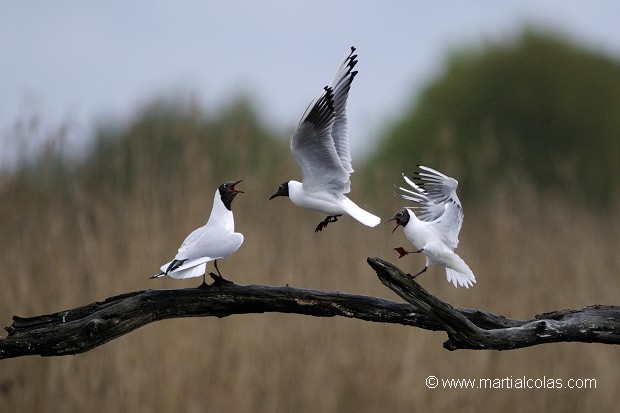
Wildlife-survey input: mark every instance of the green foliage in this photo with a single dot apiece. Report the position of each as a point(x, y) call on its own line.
point(537, 108)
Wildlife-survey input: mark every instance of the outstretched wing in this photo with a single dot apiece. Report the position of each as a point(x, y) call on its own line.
point(438, 203)
point(341, 84)
point(313, 147)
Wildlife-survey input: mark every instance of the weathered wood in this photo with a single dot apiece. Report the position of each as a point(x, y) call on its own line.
point(83, 328)
point(594, 324)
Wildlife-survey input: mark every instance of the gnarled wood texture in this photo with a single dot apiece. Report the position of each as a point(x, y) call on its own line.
point(84, 328)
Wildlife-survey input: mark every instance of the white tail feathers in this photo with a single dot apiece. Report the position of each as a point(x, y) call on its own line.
point(193, 268)
point(465, 278)
point(196, 271)
point(359, 214)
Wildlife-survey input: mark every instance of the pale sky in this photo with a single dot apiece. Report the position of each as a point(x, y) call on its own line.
point(72, 62)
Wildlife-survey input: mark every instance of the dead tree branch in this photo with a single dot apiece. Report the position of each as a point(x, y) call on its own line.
point(593, 324)
point(83, 328)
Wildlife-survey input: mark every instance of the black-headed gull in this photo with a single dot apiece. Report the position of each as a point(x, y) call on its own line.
point(320, 146)
point(435, 231)
point(217, 239)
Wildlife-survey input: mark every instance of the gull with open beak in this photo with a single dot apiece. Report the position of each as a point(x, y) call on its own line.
point(215, 240)
point(320, 146)
point(435, 231)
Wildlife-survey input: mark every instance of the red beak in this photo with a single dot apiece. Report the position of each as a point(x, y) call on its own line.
point(232, 187)
point(397, 223)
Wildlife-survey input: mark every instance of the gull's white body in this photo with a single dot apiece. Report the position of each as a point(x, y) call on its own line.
point(330, 202)
point(436, 231)
point(320, 146)
point(215, 240)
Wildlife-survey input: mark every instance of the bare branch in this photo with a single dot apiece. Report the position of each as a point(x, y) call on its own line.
point(594, 324)
point(83, 328)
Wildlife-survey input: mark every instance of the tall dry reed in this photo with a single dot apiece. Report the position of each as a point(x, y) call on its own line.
point(76, 236)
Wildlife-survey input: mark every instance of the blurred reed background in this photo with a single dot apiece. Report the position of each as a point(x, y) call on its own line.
point(72, 234)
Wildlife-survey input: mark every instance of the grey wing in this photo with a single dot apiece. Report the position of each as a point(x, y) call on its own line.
point(341, 83)
point(448, 225)
point(213, 243)
point(313, 148)
point(438, 203)
point(191, 239)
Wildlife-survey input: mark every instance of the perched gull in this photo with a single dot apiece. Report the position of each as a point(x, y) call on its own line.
point(216, 240)
point(435, 232)
point(320, 146)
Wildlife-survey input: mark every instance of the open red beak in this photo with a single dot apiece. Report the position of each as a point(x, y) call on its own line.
point(232, 187)
point(397, 223)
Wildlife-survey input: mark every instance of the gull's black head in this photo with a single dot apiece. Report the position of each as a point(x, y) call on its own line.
point(401, 218)
point(228, 192)
point(282, 191)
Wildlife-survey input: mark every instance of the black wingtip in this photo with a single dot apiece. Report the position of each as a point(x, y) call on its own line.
point(352, 58)
point(323, 108)
point(329, 94)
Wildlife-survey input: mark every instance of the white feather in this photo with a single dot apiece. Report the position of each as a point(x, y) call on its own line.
point(320, 147)
point(435, 230)
point(215, 240)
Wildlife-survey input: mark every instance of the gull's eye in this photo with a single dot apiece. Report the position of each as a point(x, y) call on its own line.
point(226, 185)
